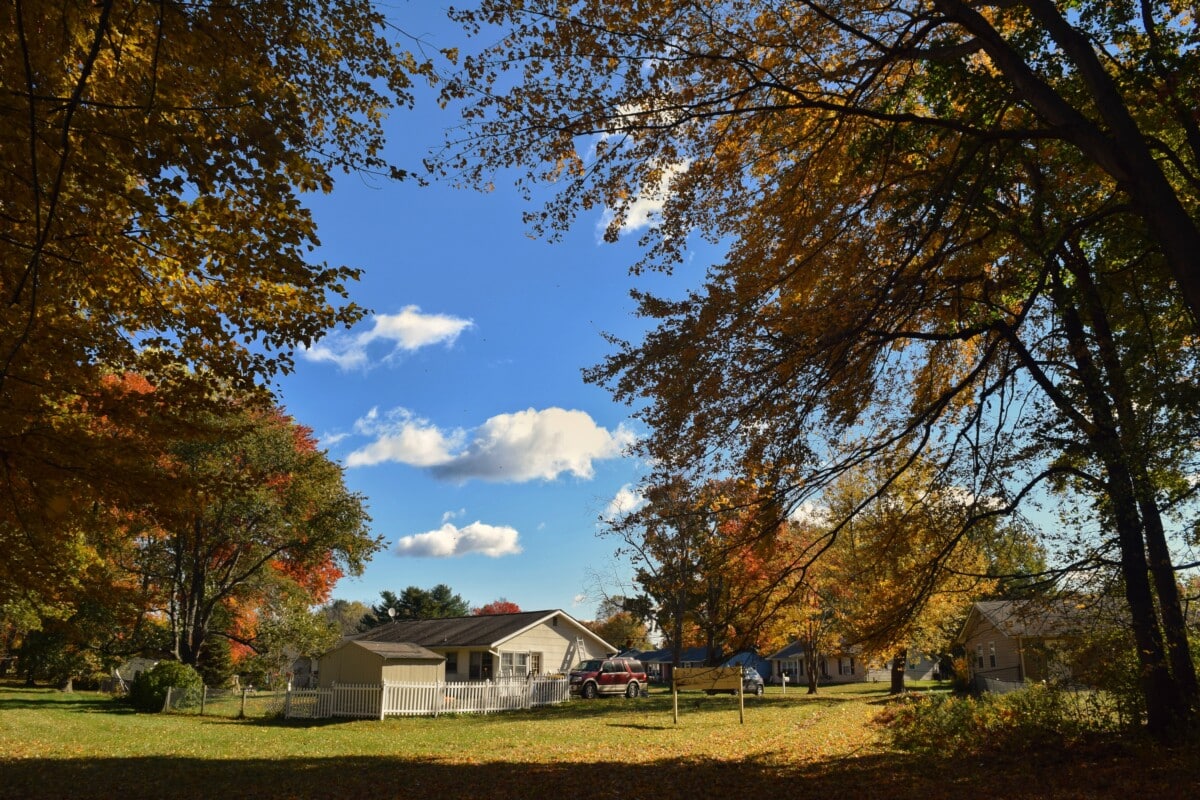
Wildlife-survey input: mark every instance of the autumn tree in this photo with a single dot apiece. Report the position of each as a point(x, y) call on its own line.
point(901, 587)
point(807, 611)
point(951, 232)
point(621, 629)
point(344, 614)
point(501, 606)
point(155, 156)
point(259, 514)
point(698, 553)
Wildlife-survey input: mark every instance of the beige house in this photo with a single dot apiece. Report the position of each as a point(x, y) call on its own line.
point(1016, 641)
point(489, 646)
point(355, 661)
point(839, 667)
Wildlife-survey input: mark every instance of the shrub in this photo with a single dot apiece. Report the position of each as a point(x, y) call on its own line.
point(1030, 719)
point(149, 689)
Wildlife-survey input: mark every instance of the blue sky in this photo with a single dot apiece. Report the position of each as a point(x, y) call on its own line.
point(458, 406)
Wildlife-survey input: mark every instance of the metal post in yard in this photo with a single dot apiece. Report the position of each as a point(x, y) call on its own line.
point(742, 695)
point(242, 712)
point(203, 697)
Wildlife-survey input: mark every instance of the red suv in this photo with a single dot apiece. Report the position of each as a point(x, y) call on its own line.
point(596, 676)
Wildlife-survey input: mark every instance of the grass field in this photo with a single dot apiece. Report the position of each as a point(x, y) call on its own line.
point(83, 745)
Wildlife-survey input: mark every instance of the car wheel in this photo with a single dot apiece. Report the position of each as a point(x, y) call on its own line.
point(588, 691)
point(632, 690)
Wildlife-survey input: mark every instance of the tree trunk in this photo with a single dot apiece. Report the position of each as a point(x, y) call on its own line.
point(810, 667)
point(1166, 714)
point(899, 665)
point(1170, 605)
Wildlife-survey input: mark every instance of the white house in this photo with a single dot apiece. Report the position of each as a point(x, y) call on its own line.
point(492, 646)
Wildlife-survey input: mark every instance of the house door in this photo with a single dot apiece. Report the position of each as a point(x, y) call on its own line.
point(481, 666)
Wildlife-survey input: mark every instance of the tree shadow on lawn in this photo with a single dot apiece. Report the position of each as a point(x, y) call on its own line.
point(84, 702)
point(1108, 771)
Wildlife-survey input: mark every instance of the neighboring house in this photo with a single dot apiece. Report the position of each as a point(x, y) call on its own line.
point(494, 645)
point(838, 667)
point(1017, 641)
point(123, 676)
point(659, 662)
point(358, 661)
point(920, 667)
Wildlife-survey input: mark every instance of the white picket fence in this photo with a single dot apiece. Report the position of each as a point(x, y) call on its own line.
point(376, 701)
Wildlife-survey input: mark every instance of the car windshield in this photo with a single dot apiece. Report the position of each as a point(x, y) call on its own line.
point(589, 666)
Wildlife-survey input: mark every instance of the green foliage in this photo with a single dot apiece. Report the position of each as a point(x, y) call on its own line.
point(416, 603)
point(1024, 721)
point(149, 689)
point(216, 662)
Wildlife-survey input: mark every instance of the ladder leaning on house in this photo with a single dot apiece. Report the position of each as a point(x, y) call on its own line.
point(573, 655)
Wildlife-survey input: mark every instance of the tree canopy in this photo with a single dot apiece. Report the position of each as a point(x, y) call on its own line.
point(258, 530)
point(500, 606)
point(415, 603)
point(954, 234)
point(154, 159)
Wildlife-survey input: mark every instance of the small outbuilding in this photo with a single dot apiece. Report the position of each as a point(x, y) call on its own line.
point(358, 661)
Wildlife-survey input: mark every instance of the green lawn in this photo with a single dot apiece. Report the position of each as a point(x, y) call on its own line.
point(85, 746)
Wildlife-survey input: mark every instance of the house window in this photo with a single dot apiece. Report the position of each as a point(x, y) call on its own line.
point(992, 654)
point(845, 666)
point(452, 662)
point(979, 655)
point(514, 665)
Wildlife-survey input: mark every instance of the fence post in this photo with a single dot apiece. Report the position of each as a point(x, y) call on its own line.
point(242, 712)
point(203, 697)
point(382, 697)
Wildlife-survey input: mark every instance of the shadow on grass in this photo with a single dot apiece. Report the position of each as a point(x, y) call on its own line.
point(1100, 772)
point(89, 702)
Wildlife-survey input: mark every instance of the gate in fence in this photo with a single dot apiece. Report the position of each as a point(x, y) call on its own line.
point(376, 701)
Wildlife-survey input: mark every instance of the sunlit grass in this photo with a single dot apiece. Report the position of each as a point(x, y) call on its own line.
point(85, 745)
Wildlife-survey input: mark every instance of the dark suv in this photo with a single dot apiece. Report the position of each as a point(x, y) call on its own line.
point(596, 676)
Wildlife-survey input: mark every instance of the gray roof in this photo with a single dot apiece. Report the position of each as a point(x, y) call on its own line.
point(480, 631)
point(404, 650)
point(687, 655)
point(1032, 618)
point(793, 650)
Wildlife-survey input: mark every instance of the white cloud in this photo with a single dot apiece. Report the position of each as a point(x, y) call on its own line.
point(627, 499)
point(450, 541)
point(647, 205)
point(508, 448)
point(408, 331)
point(531, 444)
point(403, 438)
point(811, 514)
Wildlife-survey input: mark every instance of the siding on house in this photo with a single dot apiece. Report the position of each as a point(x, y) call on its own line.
point(993, 654)
point(399, 672)
point(371, 662)
point(1028, 636)
point(555, 646)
